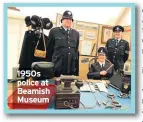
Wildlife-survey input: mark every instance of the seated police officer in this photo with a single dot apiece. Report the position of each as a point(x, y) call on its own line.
point(65, 41)
point(101, 69)
point(118, 48)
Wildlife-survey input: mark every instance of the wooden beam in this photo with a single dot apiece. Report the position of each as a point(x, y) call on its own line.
point(123, 14)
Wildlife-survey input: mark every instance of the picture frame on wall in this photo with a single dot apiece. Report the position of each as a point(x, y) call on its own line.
point(107, 33)
point(81, 34)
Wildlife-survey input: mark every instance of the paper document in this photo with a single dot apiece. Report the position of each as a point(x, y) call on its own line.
point(101, 86)
point(86, 87)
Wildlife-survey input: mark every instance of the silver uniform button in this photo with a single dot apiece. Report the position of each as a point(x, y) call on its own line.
point(69, 47)
point(69, 53)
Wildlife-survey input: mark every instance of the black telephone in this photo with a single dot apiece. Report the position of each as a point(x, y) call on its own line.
point(67, 92)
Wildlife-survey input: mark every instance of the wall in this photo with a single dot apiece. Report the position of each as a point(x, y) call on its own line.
point(16, 28)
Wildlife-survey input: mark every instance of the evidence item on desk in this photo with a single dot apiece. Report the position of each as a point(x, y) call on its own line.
point(111, 96)
point(104, 103)
point(117, 105)
point(99, 103)
point(96, 87)
point(109, 106)
point(115, 102)
point(123, 95)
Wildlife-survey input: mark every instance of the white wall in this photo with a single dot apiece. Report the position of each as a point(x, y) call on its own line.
point(16, 28)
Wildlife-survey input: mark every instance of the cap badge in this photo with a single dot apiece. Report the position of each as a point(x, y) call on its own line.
point(69, 13)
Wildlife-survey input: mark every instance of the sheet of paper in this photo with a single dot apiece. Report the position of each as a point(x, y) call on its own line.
point(101, 86)
point(86, 87)
point(86, 47)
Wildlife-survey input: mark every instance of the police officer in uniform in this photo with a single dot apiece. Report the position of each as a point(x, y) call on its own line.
point(118, 48)
point(102, 68)
point(65, 42)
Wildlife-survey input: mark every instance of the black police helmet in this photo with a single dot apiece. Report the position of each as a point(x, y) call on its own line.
point(67, 15)
point(102, 50)
point(118, 28)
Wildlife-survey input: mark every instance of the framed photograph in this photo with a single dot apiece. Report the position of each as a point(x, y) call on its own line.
point(106, 34)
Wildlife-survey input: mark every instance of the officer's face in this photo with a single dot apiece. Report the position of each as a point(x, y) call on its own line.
point(67, 23)
point(118, 34)
point(101, 57)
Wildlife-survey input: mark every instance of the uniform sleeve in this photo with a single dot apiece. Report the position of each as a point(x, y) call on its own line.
point(77, 42)
point(126, 52)
point(92, 74)
point(106, 46)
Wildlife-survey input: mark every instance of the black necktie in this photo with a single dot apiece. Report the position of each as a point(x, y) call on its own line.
point(116, 42)
point(67, 31)
point(102, 66)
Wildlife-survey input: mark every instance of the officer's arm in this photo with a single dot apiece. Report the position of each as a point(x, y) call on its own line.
point(126, 52)
point(106, 46)
point(93, 74)
point(77, 45)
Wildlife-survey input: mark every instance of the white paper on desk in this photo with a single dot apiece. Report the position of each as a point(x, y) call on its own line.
point(102, 87)
point(86, 88)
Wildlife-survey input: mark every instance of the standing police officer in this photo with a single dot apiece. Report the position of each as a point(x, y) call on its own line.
point(65, 42)
point(118, 48)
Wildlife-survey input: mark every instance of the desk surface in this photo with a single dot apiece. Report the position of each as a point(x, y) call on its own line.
point(88, 100)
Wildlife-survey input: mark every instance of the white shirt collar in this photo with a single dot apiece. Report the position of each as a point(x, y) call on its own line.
point(66, 28)
point(118, 39)
point(102, 63)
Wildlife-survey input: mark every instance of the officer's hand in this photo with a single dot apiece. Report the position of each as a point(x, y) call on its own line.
point(103, 73)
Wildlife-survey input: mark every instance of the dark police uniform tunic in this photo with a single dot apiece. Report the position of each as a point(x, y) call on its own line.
point(118, 52)
point(94, 71)
point(65, 50)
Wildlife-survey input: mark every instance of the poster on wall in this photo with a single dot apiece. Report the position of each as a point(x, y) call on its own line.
point(88, 31)
point(107, 33)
